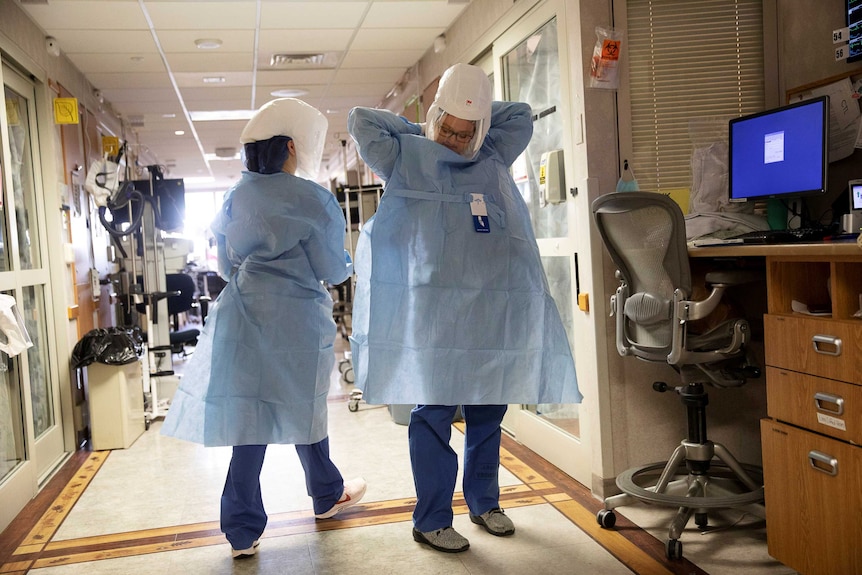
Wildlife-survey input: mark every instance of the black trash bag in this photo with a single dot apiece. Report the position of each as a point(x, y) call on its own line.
point(111, 346)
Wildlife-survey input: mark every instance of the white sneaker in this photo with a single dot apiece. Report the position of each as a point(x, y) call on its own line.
point(354, 490)
point(245, 553)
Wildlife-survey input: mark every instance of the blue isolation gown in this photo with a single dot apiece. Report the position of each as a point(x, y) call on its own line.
point(261, 370)
point(442, 314)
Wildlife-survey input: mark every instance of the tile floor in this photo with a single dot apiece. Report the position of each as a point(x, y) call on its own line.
point(153, 508)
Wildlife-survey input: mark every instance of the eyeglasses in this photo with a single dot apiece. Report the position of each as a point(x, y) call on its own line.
point(446, 132)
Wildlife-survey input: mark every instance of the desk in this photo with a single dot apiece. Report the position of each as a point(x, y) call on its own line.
point(812, 459)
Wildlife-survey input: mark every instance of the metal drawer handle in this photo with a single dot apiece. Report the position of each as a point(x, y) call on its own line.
point(823, 463)
point(821, 398)
point(829, 341)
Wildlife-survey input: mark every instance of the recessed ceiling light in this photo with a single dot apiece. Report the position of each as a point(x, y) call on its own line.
point(169, 115)
point(137, 58)
point(180, 133)
point(288, 93)
point(208, 43)
point(213, 79)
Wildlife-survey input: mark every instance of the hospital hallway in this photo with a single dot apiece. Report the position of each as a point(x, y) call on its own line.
point(154, 508)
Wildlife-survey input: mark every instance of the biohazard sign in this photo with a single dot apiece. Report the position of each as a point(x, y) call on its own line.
point(611, 50)
point(606, 56)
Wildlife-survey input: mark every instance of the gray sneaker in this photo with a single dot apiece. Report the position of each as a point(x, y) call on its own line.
point(495, 522)
point(446, 540)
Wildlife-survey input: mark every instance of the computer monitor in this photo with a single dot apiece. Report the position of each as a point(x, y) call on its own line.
point(855, 195)
point(168, 200)
point(854, 26)
point(780, 153)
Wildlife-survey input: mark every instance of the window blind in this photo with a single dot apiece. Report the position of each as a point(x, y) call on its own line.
point(690, 60)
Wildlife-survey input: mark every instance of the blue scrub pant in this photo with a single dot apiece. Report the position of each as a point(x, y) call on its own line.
point(243, 517)
point(435, 463)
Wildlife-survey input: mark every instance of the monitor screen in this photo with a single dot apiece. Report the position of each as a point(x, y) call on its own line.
point(780, 153)
point(856, 195)
point(168, 200)
point(854, 25)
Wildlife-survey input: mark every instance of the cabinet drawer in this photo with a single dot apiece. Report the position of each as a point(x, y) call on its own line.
point(823, 347)
point(822, 405)
point(813, 492)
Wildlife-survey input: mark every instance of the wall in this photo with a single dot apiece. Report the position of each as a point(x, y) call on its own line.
point(806, 56)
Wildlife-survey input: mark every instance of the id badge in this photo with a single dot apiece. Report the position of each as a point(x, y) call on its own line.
point(480, 213)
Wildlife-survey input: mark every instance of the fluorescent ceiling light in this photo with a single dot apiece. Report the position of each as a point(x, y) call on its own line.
point(218, 115)
point(217, 158)
point(180, 133)
point(214, 80)
point(288, 93)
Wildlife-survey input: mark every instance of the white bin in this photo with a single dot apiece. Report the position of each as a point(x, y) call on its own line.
point(116, 402)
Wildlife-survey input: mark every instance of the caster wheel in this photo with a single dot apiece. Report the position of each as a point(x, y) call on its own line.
point(673, 549)
point(348, 376)
point(606, 518)
point(146, 424)
point(353, 405)
point(701, 520)
point(343, 365)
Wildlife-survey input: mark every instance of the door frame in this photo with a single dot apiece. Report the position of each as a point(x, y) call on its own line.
point(571, 454)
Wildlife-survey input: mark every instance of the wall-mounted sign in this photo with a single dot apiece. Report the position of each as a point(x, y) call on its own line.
point(65, 110)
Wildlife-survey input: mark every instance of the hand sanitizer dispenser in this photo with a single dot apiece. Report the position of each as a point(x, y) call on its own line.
point(552, 178)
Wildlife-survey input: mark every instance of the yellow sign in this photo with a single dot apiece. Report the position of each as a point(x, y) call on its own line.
point(110, 145)
point(13, 117)
point(65, 110)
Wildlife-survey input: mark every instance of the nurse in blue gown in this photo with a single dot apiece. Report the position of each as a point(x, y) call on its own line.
point(452, 304)
point(260, 373)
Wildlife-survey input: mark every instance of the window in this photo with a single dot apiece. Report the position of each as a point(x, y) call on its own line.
point(688, 61)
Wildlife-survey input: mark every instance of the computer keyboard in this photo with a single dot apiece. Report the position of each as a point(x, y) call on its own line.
point(791, 236)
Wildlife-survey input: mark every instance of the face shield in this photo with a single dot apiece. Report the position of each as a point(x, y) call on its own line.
point(297, 120)
point(463, 99)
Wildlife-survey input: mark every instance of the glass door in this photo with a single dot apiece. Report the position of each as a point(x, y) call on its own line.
point(532, 69)
point(31, 435)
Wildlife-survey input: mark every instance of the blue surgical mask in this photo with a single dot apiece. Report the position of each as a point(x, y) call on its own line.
point(625, 185)
point(630, 183)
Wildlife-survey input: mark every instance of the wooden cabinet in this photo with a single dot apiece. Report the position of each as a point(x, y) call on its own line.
point(812, 459)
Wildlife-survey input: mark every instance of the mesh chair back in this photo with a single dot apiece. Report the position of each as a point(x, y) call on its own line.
point(644, 234)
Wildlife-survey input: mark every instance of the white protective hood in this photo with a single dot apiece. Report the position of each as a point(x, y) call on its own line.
point(295, 119)
point(465, 92)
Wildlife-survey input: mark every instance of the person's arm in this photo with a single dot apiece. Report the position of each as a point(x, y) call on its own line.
point(325, 245)
point(218, 226)
point(511, 129)
point(376, 135)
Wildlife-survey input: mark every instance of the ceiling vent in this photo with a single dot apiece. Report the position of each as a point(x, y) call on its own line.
point(136, 121)
point(226, 152)
point(303, 60)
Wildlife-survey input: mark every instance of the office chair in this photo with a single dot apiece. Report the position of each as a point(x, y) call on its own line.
point(211, 285)
point(182, 299)
point(644, 234)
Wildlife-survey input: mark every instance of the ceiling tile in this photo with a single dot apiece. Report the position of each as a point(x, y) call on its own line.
point(381, 58)
point(407, 14)
point(303, 15)
point(87, 15)
point(184, 40)
point(202, 15)
point(400, 39)
point(302, 41)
